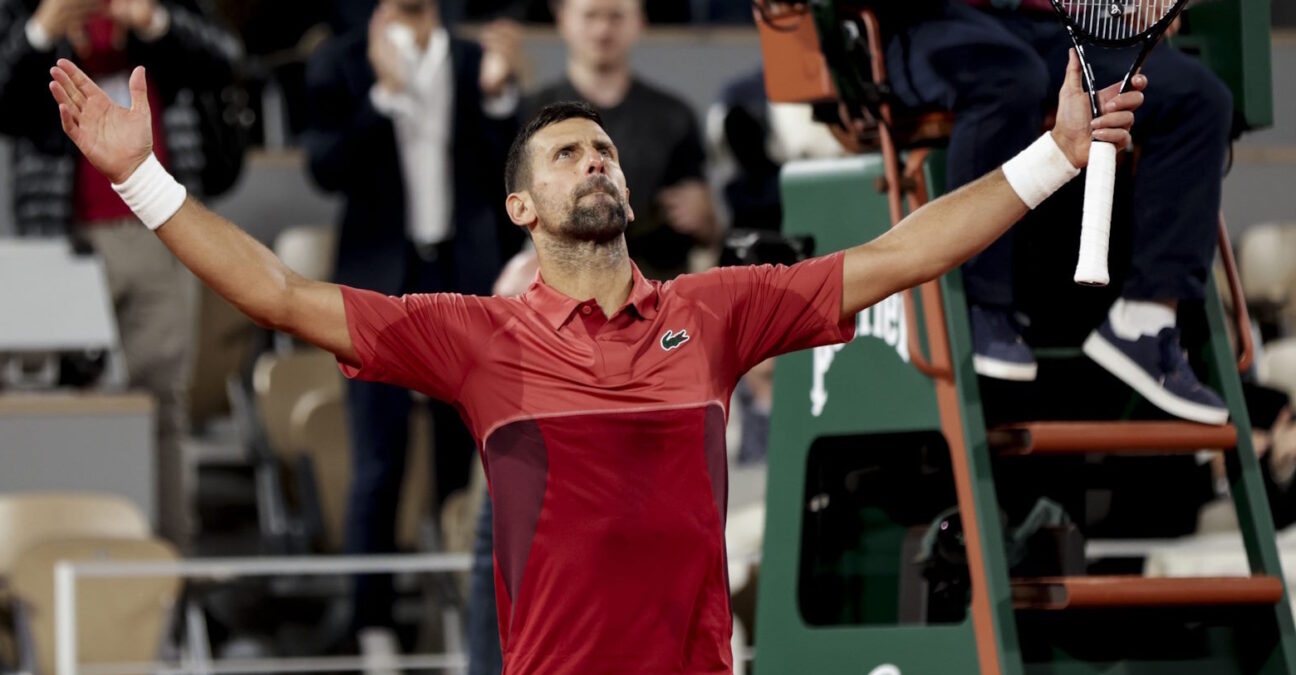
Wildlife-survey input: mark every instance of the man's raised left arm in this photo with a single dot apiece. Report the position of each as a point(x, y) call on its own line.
point(946, 232)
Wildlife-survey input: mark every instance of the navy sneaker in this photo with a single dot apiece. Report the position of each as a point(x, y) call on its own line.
point(998, 348)
point(1157, 368)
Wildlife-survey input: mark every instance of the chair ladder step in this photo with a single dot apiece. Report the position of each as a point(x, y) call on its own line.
point(1137, 438)
point(1097, 592)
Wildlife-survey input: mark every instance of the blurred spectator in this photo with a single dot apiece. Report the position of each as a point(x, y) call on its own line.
point(722, 11)
point(1273, 435)
point(56, 192)
point(739, 128)
point(348, 15)
point(542, 11)
point(278, 36)
point(269, 26)
point(412, 126)
point(997, 70)
point(656, 131)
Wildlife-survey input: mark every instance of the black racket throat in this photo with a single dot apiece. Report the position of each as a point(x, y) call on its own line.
point(1115, 24)
point(1091, 83)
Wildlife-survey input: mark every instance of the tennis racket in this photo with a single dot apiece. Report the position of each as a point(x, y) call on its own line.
point(1108, 24)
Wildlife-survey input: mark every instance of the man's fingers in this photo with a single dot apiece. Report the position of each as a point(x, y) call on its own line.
point(1113, 93)
point(69, 122)
point(60, 94)
point(1074, 78)
point(1117, 137)
point(71, 95)
point(80, 81)
point(1123, 119)
point(1130, 100)
point(139, 90)
point(1106, 94)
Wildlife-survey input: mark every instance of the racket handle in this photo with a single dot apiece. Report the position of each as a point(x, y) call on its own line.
point(1095, 226)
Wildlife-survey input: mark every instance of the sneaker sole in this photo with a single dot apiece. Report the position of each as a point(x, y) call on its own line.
point(1126, 370)
point(1004, 370)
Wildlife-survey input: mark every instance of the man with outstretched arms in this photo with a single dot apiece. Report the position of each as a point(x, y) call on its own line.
point(598, 398)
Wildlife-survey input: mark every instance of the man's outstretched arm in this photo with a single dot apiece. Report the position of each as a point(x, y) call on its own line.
point(248, 275)
point(119, 141)
point(946, 232)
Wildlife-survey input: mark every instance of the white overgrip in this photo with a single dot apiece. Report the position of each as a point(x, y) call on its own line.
point(1095, 224)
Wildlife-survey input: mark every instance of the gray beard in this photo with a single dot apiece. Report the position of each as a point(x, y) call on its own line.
point(597, 223)
point(600, 222)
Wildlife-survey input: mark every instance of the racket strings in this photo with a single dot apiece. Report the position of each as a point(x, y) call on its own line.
point(1116, 19)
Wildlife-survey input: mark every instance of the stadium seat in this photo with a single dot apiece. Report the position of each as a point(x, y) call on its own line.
point(1265, 253)
point(118, 620)
point(224, 342)
point(308, 250)
point(318, 433)
point(1277, 367)
point(28, 519)
point(280, 380)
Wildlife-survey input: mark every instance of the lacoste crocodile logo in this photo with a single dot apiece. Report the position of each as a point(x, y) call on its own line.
point(672, 340)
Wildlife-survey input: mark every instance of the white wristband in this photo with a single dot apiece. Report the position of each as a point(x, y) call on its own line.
point(152, 193)
point(1039, 171)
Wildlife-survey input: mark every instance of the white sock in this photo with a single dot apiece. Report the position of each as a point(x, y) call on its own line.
point(1132, 319)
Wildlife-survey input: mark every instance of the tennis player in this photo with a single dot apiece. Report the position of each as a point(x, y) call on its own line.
point(598, 398)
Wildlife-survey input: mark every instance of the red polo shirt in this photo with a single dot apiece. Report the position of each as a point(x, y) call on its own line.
point(603, 440)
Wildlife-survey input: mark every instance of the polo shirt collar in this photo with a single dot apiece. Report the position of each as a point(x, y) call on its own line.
point(557, 308)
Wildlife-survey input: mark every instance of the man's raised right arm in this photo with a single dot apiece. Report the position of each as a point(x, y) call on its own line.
point(248, 275)
point(119, 143)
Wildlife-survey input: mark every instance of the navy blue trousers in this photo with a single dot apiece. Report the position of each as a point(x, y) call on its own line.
point(998, 72)
point(484, 656)
point(379, 422)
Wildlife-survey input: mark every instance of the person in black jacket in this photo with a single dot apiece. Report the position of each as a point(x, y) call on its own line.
point(411, 126)
point(56, 192)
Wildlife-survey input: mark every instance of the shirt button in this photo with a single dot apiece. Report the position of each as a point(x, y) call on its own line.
point(586, 310)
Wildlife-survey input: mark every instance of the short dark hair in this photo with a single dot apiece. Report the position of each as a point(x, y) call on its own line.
point(517, 168)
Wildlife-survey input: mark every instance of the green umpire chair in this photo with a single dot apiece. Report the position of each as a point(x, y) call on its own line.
point(905, 533)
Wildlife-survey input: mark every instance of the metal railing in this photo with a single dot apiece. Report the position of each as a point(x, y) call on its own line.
point(67, 573)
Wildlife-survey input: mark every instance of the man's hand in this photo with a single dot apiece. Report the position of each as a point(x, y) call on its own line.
point(1075, 126)
point(385, 57)
point(502, 55)
point(135, 15)
point(58, 17)
point(688, 209)
point(114, 139)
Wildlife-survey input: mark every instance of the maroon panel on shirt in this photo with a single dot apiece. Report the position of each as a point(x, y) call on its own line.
point(717, 459)
point(518, 469)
